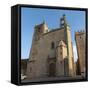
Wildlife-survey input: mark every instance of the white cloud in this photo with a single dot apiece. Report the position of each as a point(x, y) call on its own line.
point(75, 53)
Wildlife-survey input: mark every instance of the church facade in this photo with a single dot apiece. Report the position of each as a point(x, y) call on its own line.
point(51, 53)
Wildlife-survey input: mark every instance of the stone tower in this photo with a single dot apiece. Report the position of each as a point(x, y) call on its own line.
point(80, 43)
point(39, 30)
point(63, 24)
point(62, 61)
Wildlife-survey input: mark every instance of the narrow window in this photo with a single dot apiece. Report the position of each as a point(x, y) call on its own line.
point(60, 53)
point(52, 45)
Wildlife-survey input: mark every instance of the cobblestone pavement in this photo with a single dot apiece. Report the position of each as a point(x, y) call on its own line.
point(52, 79)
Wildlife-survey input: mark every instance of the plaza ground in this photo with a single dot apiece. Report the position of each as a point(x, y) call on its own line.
point(52, 79)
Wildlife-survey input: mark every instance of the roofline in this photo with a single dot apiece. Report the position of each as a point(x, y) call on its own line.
point(25, 59)
point(53, 30)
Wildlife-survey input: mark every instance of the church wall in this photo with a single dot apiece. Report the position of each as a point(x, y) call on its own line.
point(60, 68)
point(31, 69)
point(45, 51)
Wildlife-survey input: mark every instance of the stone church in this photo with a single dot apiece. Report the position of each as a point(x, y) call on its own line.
point(51, 53)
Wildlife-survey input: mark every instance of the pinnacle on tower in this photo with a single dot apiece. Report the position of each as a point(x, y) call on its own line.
point(63, 22)
point(43, 22)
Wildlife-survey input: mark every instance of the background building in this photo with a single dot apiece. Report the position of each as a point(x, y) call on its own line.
point(80, 38)
point(24, 68)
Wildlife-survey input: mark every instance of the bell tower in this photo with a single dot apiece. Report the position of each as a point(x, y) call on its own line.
point(63, 22)
point(68, 42)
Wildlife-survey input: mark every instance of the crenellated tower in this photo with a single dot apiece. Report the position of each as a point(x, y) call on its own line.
point(81, 49)
point(39, 30)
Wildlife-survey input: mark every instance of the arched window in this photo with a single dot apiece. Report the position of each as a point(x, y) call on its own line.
point(52, 45)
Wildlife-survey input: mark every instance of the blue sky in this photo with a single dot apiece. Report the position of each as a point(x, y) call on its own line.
point(33, 16)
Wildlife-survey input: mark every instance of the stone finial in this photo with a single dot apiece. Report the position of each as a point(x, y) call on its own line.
point(64, 16)
point(43, 22)
point(61, 43)
point(63, 21)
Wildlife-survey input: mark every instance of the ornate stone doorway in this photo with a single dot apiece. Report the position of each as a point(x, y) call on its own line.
point(52, 69)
